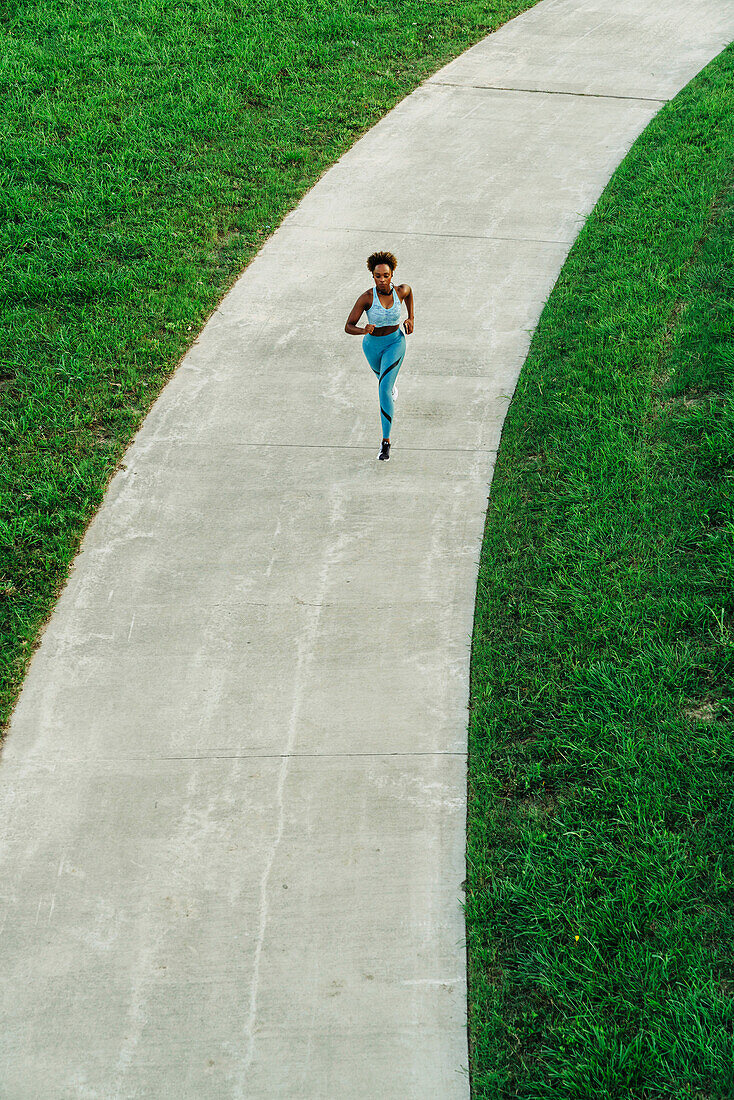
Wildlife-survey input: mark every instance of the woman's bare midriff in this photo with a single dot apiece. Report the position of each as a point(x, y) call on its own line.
point(384, 331)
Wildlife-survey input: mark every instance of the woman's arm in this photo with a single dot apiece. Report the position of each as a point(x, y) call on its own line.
point(357, 310)
point(408, 299)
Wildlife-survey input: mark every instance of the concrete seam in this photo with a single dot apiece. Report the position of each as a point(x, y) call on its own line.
point(303, 755)
point(337, 446)
point(547, 91)
point(266, 756)
point(417, 233)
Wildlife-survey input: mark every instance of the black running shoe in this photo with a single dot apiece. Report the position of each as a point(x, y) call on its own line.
point(385, 451)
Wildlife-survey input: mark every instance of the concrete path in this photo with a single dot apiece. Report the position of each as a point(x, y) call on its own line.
point(233, 793)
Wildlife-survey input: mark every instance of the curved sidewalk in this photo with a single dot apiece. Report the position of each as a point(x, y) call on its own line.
point(233, 792)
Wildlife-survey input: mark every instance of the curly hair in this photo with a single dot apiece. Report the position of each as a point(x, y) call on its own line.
point(382, 258)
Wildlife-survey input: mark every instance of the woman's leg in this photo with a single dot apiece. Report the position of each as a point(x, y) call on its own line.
point(390, 362)
point(372, 351)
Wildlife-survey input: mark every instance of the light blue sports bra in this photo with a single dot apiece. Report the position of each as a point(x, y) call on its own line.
point(380, 317)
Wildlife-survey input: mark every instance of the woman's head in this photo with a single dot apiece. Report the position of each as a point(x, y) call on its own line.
point(382, 265)
point(382, 258)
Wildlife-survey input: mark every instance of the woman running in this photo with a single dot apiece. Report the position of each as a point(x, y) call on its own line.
point(382, 341)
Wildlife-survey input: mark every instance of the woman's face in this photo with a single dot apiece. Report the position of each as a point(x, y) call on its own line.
point(382, 276)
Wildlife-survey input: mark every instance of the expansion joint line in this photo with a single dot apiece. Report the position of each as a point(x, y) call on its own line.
point(545, 91)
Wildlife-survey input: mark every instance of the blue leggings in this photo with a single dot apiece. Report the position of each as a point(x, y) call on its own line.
point(385, 354)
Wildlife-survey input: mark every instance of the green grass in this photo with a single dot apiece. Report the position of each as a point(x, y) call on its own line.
point(149, 148)
point(600, 915)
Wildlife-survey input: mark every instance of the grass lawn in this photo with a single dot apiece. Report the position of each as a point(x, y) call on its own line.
point(600, 895)
point(148, 150)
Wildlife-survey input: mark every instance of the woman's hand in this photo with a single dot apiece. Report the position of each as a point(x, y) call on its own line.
point(408, 326)
point(369, 329)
